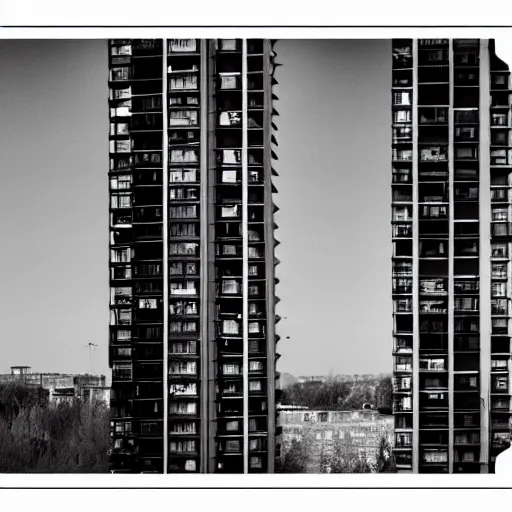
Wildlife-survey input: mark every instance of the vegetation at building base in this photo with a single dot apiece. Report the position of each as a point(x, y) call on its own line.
point(341, 457)
point(36, 437)
point(342, 394)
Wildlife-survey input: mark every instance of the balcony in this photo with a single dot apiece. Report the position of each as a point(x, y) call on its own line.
point(501, 157)
point(402, 155)
point(433, 212)
point(404, 405)
point(434, 154)
point(402, 231)
point(499, 365)
point(402, 56)
point(402, 269)
point(500, 119)
point(432, 365)
point(403, 365)
point(499, 307)
point(433, 115)
point(500, 405)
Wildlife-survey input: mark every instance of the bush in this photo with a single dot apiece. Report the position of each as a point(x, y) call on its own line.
point(38, 438)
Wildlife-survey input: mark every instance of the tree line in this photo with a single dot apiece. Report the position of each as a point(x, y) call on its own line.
point(342, 394)
point(342, 457)
point(36, 437)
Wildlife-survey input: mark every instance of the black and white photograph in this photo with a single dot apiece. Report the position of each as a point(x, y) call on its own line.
point(242, 255)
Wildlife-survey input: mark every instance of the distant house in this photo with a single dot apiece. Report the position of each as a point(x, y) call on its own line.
point(318, 379)
point(62, 387)
point(319, 430)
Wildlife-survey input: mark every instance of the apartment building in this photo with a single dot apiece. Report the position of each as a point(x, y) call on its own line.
point(192, 307)
point(451, 254)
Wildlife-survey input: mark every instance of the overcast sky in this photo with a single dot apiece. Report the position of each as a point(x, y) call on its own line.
point(334, 198)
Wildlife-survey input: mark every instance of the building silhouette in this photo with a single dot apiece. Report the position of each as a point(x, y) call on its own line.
point(451, 254)
point(192, 325)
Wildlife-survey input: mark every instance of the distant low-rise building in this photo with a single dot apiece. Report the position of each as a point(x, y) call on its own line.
point(360, 431)
point(320, 379)
point(62, 387)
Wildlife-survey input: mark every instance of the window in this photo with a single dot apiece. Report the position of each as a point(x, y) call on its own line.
point(433, 154)
point(256, 463)
point(184, 347)
point(183, 408)
point(499, 250)
point(190, 465)
point(121, 182)
point(435, 456)
point(183, 230)
point(465, 133)
point(498, 289)
point(121, 317)
point(432, 306)
point(405, 403)
point(402, 116)
point(432, 364)
point(183, 118)
point(499, 119)
point(230, 327)
point(183, 308)
point(230, 156)
point(121, 201)
point(122, 371)
point(182, 45)
point(254, 328)
point(183, 81)
point(466, 116)
point(230, 287)
point(182, 446)
point(120, 146)
point(255, 385)
point(404, 383)
point(231, 369)
point(183, 212)
point(125, 49)
point(232, 426)
point(500, 383)
point(499, 271)
point(401, 98)
point(465, 153)
point(183, 389)
point(182, 368)
point(148, 304)
point(229, 80)
point(403, 155)
point(183, 156)
point(401, 175)
point(404, 439)
point(232, 446)
point(183, 288)
point(255, 366)
point(184, 428)
point(499, 364)
point(184, 249)
point(230, 118)
point(466, 304)
point(183, 176)
point(433, 115)
point(120, 73)
point(402, 213)
point(227, 45)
